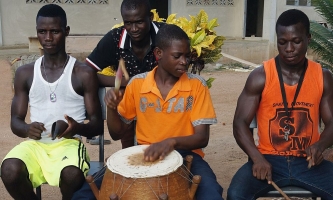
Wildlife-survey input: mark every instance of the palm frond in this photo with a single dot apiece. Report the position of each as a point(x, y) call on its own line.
point(325, 9)
point(322, 37)
point(322, 42)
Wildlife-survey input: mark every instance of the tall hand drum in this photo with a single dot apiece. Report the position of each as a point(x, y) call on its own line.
point(128, 176)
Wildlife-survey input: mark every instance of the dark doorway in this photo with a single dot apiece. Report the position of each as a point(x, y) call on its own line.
point(161, 7)
point(254, 18)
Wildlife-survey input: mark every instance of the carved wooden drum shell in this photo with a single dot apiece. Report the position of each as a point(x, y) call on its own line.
point(128, 176)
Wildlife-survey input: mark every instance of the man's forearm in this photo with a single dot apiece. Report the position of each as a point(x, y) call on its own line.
point(245, 141)
point(90, 129)
point(326, 137)
point(19, 127)
point(115, 125)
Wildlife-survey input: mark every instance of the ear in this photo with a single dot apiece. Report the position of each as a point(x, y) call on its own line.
point(151, 16)
point(158, 53)
point(67, 30)
point(309, 37)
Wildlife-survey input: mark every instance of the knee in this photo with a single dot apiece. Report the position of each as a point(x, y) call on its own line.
point(211, 184)
point(209, 188)
point(71, 175)
point(12, 169)
point(239, 192)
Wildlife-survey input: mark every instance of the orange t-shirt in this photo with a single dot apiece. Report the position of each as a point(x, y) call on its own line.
point(187, 105)
point(304, 127)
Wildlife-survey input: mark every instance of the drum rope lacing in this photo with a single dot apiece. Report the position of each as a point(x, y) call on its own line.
point(99, 174)
point(183, 169)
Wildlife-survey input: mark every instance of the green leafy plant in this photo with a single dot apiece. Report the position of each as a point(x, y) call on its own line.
point(209, 82)
point(322, 37)
point(205, 43)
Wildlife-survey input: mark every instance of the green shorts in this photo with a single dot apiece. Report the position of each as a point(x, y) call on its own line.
point(45, 161)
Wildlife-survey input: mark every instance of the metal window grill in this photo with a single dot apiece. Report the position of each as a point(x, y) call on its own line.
point(210, 2)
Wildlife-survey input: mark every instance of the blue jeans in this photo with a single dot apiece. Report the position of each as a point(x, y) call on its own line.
point(208, 188)
point(286, 171)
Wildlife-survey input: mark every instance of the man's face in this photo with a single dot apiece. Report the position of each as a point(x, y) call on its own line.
point(51, 34)
point(137, 23)
point(175, 58)
point(292, 43)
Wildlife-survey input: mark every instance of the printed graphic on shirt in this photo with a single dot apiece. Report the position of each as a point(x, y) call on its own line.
point(175, 105)
point(300, 132)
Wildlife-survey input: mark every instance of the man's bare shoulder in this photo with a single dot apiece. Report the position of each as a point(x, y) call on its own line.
point(84, 73)
point(29, 66)
point(256, 80)
point(258, 74)
point(327, 72)
point(259, 70)
point(81, 68)
point(24, 76)
point(25, 70)
point(328, 78)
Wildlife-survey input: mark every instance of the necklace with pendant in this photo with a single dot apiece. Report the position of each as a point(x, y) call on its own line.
point(286, 129)
point(53, 96)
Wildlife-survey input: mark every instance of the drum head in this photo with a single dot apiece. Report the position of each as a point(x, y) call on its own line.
point(130, 164)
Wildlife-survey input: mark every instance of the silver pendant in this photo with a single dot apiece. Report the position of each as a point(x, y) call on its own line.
point(286, 131)
point(53, 97)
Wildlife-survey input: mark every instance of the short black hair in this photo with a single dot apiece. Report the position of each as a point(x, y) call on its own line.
point(53, 10)
point(168, 33)
point(135, 4)
point(292, 17)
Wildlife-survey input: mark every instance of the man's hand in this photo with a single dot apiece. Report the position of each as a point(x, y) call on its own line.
point(71, 129)
point(262, 169)
point(111, 99)
point(34, 130)
point(159, 150)
point(314, 154)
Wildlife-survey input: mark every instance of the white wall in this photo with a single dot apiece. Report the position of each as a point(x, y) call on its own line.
point(274, 8)
point(18, 19)
point(278, 9)
point(230, 18)
point(308, 10)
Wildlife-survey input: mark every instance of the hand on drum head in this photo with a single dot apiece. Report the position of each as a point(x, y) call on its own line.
point(159, 150)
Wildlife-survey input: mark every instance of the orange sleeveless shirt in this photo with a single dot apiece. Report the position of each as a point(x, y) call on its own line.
point(271, 118)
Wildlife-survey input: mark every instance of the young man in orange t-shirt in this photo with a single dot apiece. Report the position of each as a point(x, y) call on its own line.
point(288, 95)
point(173, 109)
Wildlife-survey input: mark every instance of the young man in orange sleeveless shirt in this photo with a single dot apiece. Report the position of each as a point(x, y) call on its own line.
point(288, 94)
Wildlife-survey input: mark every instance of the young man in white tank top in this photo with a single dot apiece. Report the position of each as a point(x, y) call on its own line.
point(56, 87)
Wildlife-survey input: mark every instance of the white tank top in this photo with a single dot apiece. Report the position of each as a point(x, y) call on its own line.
point(68, 101)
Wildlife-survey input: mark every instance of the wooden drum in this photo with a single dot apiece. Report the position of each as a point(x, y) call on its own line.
point(128, 176)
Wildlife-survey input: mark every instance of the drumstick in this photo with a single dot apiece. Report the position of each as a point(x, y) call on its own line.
point(120, 71)
point(281, 192)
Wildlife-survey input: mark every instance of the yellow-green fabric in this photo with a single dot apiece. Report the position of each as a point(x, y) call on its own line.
point(46, 161)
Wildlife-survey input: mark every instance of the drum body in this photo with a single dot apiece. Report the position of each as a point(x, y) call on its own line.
point(128, 176)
